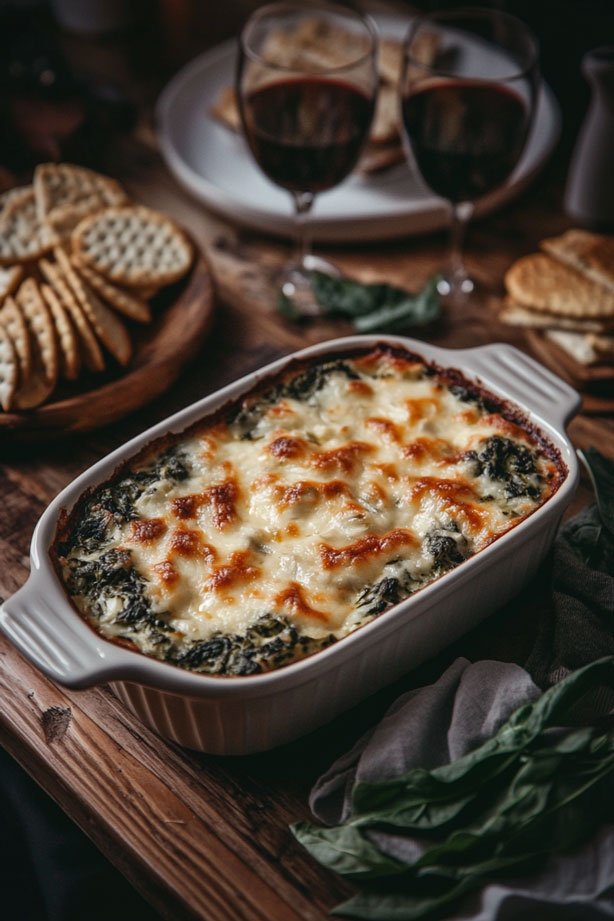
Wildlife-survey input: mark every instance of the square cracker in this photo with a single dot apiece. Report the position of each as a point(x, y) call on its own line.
point(591, 254)
point(543, 283)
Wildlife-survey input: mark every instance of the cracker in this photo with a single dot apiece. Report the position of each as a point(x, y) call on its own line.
point(10, 276)
point(68, 341)
point(133, 246)
point(386, 122)
point(541, 282)
point(107, 326)
point(45, 366)
point(591, 254)
point(59, 186)
point(127, 303)
point(91, 351)
point(379, 157)
point(22, 236)
point(516, 315)
point(15, 324)
point(585, 348)
point(8, 370)
point(226, 108)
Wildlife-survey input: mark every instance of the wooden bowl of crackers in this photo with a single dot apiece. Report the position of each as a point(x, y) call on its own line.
point(564, 297)
point(102, 301)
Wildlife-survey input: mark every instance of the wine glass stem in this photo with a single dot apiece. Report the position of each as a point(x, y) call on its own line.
point(457, 275)
point(303, 203)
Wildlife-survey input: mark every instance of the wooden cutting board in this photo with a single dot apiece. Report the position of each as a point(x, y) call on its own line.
point(596, 384)
point(182, 318)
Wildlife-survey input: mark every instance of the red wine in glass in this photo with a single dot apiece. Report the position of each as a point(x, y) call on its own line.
point(307, 133)
point(466, 135)
point(467, 113)
point(306, 113)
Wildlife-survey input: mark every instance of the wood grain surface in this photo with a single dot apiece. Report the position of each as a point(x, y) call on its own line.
point(204, 837)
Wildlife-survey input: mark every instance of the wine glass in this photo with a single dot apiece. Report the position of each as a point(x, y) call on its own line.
point(467, 113)
point(306, 86)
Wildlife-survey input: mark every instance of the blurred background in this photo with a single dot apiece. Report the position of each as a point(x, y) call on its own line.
point(77, 74)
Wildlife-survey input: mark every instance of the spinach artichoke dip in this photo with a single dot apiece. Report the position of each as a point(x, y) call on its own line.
point(285, 521)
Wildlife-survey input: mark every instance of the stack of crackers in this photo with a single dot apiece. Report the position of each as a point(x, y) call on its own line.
point(317, 43)
point(78, 264)
point(566, 292)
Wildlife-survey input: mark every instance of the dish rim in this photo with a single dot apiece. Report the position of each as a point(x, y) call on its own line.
point(108, 661)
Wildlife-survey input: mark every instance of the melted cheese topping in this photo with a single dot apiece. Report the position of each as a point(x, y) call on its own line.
point(308, 510)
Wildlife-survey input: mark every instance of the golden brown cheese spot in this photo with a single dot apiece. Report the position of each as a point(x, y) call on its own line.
point(366, 548)
point(238, 570)
point(386, 428)
point(310, 492)
point(280, 410)
point(293, 600)
point(468, 416)
point(186, 507)
point(293, 530)
point(421, 408)
point(222, 499)
point(287, 447)
point(433, 449)
point(147, 530)
point(342, 459)
point(389, 472)
point(456, 496)
point(360, 388)
point(189, 543)
point(166, 573)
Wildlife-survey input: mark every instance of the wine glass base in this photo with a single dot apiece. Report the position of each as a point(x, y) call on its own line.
point(295, 285)
point(455, 286)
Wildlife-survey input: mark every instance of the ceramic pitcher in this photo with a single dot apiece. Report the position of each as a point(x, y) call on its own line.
point(589, 196)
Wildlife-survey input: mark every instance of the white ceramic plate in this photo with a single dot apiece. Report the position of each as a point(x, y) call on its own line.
point(215, 165)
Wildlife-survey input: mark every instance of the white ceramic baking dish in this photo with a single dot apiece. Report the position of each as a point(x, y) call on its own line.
point(259, 712)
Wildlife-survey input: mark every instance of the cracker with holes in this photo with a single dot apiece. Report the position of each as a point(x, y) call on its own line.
point(13, 320)
point(68, 341)
point(64, 187)
point(90, 349)
point(131, 305)
point(8, 370)
point(10, 276)
point(45, 365)
point(105, 323)
point(22, 236)
point(133, 246)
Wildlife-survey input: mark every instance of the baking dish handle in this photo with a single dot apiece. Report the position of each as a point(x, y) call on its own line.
point(68, 653)
point(524, 379)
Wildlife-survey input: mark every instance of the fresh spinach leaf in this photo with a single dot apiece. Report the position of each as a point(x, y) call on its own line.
point(539, 786)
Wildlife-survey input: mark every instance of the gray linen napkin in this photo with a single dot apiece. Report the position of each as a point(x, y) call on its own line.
point(438, 724)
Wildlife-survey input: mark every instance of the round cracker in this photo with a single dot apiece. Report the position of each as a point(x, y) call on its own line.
point(124, 301)
point(15, 324)
point(133, 246)
point(45, 364)
point(68, 341)
point(92, 353)
point(106, 324)
point(8, 370)
point(22, 236)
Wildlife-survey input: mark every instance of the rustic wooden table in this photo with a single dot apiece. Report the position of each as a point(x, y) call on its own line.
point(206, 837)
